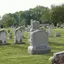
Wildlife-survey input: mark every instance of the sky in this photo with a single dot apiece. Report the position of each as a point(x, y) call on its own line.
point(12, 6)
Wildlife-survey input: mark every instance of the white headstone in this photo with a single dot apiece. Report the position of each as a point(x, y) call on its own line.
point(34, 25)
point(50, 29)
point(3, 37)
point(38, 41)
point(19, 36)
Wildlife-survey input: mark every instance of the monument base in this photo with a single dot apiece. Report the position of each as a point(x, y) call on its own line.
point(38, 50)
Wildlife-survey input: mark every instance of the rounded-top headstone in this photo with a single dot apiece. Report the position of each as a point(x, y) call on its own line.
point(34, 25)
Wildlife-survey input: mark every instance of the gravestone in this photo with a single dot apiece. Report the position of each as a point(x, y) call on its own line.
point(34, 25)
point(58, 25)
point(38, 41)
point(3, 37)
point(44, 26)
point(57, 58)
point(14, 32)
point(61, 26)
point(23, 29)
point(19, 36)
point(50, 30)
point(28, 28)
point(58, 34)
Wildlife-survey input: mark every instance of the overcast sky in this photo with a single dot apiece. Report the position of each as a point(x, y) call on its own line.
point(11, 6)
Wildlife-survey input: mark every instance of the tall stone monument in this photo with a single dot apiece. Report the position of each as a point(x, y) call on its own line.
point(38, 40)
point(50, 31)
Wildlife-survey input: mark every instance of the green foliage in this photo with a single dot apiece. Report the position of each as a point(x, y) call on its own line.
point(57, 15)
point(22, 22)
point(42, 14)
point(46, 16)
point(8, 19)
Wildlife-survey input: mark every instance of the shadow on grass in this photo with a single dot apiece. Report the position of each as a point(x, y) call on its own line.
point(14, 46)
point(19, 46)
point(56, 43)
point(6, 44)
point(45, 54)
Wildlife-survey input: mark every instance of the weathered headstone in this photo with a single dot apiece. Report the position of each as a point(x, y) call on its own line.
point(28, 28)
point(44, 26)
point(3, 37)
point(23, 29)
point(19, 36)
point(57, 58)
point(50, 30)
point(38, 41)
point(58, 34)
point(34, 25)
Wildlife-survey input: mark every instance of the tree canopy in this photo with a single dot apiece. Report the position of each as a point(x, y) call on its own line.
point(42, 14)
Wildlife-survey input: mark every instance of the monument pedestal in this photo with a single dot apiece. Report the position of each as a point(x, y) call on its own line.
point(38, 50)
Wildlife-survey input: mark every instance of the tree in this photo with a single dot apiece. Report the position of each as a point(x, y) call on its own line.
point(57, 15)
point(46, 16)
point(8, 20)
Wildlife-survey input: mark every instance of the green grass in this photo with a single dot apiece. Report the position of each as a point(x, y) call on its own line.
point(18, 54)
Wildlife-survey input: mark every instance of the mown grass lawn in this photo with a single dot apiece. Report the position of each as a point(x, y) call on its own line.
point(17, 54)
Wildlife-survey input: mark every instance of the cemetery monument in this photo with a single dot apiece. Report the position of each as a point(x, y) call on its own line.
point(38, 40)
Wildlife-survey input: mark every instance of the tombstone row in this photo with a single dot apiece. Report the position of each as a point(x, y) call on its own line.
point(18, 36)
point(38, 38)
